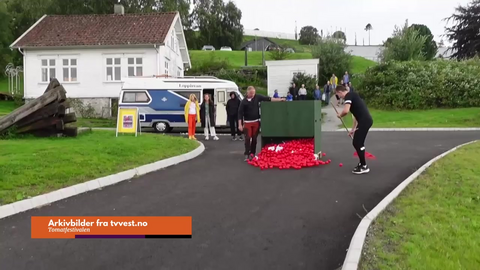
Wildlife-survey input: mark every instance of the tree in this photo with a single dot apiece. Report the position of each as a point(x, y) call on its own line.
point(308, 35)
point(405, 44)
point(279, 53)
point(333, 58)
point(340, 35)
point(5, 38)
point(430, 48)
point(368, 28)
point(464, 32)
point(218, 23)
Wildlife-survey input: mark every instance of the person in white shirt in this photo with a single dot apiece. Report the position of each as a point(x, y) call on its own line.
point(302, 93)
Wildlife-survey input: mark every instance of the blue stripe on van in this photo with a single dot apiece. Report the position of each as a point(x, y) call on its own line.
point(163, 100)
point(173, 118)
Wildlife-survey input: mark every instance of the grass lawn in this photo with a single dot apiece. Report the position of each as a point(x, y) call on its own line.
point(33, 166)
point(6, 107)
point(360, 64)
point(435, 222)
point(96, 122)
point(4, 85)
point(438, 118)
point(237, 58)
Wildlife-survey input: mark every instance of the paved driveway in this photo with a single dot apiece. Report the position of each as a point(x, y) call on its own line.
point(243, 218)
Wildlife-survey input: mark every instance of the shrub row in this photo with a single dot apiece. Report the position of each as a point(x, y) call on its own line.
point(422, 85)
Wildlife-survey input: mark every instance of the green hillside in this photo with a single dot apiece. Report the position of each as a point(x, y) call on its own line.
point(285, 43)
point(237, 58)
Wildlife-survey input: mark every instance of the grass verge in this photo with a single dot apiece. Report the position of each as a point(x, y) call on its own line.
point(434, 223)
point(33, 166)
point(438, 118)
point(97, 122)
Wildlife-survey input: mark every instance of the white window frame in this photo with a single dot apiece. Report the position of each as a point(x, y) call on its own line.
point(47, 69)
point(113, 66)
point(167, 66)
point(69, 67)
point(135, 65)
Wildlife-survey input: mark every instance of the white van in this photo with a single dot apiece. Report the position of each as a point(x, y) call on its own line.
point(161, 100)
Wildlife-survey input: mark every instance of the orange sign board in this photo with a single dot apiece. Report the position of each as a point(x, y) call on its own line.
point(106, 227)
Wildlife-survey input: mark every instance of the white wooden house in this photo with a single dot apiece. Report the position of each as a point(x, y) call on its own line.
point(280, 73)
point(91, 54)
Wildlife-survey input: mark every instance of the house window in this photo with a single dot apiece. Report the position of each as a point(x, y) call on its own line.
point(69, 70)
point(135, 97)
point(166, 65)
point(114, 69)
point(135, 67)
point(48, 69)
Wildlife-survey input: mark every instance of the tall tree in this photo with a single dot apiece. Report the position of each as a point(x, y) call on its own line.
point(218, 23)
point(405, 44)
point(5, 38)
point(368, 28)
point(308, 35)
point(430, 48)
point(464, 32)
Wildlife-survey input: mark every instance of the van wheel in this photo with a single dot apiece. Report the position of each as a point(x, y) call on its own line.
point(161, 127)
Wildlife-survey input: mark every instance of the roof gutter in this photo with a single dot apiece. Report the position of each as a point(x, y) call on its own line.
point(69, 47)
point(20, 50)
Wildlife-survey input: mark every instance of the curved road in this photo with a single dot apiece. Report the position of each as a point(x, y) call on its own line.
point(243, 218)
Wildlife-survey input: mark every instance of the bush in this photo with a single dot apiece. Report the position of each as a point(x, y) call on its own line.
point(309, 81)
point(333, 59)
point(422, 85)
point(405, 45)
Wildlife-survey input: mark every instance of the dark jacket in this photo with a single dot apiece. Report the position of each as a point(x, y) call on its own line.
point(293, 91)
point(232, 106)
point(250, 110)
point(211, 108)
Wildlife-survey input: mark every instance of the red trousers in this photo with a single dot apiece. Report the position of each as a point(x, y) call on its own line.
point(192, 121)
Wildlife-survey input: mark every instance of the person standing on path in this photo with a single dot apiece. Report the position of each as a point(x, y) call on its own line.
point(192, 115)
point(232, 112)
point(293, 91)
point(317, 94)
point(302, 93)
point(327, 89)
point(249, 113)
point(346, 78)
point(362, 122)
point(207, 117)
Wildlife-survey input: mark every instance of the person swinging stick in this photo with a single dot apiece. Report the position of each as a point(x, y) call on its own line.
point(362, 122)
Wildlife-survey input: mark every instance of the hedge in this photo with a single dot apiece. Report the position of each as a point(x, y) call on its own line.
point(422, 85)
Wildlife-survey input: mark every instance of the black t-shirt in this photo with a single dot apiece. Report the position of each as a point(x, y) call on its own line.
point(358, 108)
point(249, 110)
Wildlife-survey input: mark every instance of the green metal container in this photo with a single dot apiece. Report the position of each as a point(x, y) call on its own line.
point(281, 121)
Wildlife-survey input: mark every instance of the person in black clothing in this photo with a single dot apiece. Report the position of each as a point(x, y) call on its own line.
point(362, 123)
point(249, 114)
point(232, 112)
point(293, 91)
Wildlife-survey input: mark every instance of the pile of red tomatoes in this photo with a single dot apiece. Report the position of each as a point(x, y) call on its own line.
point(295, 154)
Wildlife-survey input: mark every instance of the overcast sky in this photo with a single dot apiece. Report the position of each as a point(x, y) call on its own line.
point(352, 15)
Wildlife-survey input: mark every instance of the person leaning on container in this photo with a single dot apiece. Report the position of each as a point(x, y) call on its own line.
point(207, 117)
point(192, 115)
point(249, 113)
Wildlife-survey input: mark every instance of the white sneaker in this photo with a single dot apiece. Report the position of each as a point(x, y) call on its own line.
point(215, 138)
point(206, 138)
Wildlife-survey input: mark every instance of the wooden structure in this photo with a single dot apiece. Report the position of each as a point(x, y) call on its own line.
point(44, 117)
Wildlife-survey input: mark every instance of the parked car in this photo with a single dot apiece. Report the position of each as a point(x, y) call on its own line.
point(225, 48)
point(208, 48)
point(289, 50)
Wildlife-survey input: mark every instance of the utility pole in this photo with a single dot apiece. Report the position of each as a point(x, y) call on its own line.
point(295, 30)
point(355, 38)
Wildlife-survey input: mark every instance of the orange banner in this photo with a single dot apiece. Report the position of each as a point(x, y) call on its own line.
point(107, 227)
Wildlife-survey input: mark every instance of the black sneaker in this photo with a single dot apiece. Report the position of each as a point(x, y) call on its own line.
point(361, 169)
point(234, 138)
point(240, 138)
point(247, 158)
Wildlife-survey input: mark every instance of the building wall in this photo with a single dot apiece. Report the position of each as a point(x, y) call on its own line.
point(171, 61)
point(281, 74)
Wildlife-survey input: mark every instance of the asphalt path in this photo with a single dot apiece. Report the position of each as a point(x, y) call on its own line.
point(243, 218)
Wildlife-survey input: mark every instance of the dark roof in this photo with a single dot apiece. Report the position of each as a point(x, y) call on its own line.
point(93, 30)
point(258, 38)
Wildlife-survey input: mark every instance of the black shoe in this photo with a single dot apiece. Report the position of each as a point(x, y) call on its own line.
point(361, 169)
point(247, 158)
point(240, 138)
point(234, 138)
